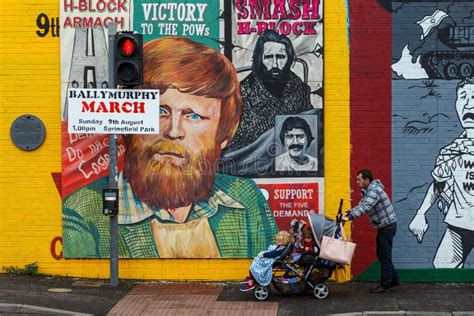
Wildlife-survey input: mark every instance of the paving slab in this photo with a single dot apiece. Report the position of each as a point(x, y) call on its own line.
point(186, 299)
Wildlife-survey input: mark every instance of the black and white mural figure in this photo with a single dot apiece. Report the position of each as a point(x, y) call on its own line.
point(277, 49)
point(275, 82)
point(453, 188)
point(296, 137)
point(432, 61)
point(270, 89)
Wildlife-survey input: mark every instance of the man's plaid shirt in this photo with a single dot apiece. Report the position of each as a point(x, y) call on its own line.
point(377, 205)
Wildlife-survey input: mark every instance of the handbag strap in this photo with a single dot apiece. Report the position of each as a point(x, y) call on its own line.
point(343, 234)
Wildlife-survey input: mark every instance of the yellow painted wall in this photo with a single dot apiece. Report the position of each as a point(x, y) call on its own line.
point(30, 206)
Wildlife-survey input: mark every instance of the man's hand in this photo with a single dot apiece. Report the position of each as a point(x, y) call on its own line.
point(418, 226)
point(343, 217)
point(346, 216)
point(260, 254)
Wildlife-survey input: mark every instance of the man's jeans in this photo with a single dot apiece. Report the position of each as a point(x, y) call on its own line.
point(385, 236)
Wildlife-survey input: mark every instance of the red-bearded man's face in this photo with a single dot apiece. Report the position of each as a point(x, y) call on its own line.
point(176, 167)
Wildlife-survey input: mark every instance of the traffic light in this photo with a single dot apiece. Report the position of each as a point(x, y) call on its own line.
point(128, 59)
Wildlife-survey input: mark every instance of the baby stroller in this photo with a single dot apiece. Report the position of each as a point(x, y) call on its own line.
point(307, 274)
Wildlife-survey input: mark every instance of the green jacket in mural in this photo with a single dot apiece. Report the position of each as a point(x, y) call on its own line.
point(235, 222)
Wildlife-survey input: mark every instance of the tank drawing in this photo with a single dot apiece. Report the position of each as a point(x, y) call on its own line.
point(455, 62)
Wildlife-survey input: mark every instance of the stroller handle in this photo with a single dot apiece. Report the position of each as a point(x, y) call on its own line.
point(339, 212)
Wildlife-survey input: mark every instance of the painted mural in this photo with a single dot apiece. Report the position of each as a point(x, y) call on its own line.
point(239, 153)
point(278, 52)
point(432, 124)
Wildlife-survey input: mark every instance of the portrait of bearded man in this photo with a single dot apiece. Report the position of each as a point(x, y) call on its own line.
point(270, 89)
point(173, 203)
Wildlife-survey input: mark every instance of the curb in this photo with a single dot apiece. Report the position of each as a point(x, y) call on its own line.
point(407, 313)
point(30, 309)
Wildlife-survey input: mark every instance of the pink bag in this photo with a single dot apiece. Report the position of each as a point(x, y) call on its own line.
point(337, 250)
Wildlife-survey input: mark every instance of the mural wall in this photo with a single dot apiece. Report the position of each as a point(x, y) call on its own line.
point(240, 151)
point(420, 104)
point(433, 66)
point(31, 186)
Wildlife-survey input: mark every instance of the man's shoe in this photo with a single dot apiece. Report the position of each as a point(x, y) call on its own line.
point(379, 289)
point(247, 287)
point(394, 284)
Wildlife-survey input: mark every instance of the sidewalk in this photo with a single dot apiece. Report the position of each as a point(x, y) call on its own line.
point(22, 294)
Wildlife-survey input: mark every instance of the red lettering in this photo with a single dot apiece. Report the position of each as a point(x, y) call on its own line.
point(68, 5)
point(120, 21)
point(98, 23)
point(124, 107)
point(121, 6)
point(255, 9)
point(261, 26)
point(88, 107)
point(139, 107)
point(52, 248)
point(102, 108)
point(259, 8)
point(100, 5)
point(285, 28)
point(242, 13)
point(82, 5)
point(279, 11)
point(309, 28)
point(114, 107)
point(77, 21)
point(91, 9)
point(295, 29)
point(311, 7)
point(111, 6)
point(295, 11)
point(243, 27)
point(266, 8)
point(108, 20)
point(67, 22)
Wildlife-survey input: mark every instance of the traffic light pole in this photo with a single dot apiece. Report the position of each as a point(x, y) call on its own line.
point(113, 170)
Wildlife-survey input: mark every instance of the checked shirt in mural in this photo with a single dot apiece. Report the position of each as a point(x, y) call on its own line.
point(235, 222)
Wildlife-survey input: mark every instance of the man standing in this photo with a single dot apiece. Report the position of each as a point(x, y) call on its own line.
point(271, 89)
point(453, 183)
point(296, 136)
point(173, 204)
point(377, 205)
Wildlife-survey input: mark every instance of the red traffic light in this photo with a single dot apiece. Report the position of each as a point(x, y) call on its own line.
point(128, 59)
point(127, 47)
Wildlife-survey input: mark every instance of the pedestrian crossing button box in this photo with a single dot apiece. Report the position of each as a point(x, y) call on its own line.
point(110, 202)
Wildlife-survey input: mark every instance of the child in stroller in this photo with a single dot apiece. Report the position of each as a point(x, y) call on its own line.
point(309, 249)
point(309, 272)
point(261, 268)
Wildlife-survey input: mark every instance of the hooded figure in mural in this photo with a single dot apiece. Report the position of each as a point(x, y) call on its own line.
point(173, 203)
point(453, 185)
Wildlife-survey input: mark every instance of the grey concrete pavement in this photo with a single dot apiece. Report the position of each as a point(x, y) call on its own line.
point(22, 293)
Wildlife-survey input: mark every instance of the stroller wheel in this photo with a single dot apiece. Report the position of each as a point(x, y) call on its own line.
point(260, 292)
point(321, 291)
